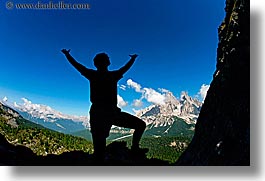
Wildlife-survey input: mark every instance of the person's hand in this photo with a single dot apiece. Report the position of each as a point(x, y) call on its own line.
point(133, 56)
point(66, 51)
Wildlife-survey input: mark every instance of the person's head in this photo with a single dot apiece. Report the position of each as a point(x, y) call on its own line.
point(101, 61)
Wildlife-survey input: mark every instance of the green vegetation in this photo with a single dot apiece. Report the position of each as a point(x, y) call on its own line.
point(164, 148)
point(178, 128)
point(43, 141)
point(86, 134)
point(163, 143)
point(40, 140)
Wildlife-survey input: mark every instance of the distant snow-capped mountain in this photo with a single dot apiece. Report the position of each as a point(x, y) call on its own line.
point(172, 118)
point(185, 108)
point(45, 112)
point(50, 118)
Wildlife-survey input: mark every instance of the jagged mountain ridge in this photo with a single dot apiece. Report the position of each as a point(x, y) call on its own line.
point(156, 116)
point(66, 126)
point(186, 108)
point(13, 118)
point(45, 112)
point(173, 118)
point(50, 118)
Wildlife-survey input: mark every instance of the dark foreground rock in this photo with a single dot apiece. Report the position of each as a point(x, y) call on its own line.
point(222, 133)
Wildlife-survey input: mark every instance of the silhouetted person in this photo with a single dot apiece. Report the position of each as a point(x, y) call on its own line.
point(103, 95)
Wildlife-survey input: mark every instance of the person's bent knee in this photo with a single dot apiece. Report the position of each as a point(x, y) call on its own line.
point(142, 125)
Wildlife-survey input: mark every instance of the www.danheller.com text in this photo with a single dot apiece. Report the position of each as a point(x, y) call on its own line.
point(49, 5)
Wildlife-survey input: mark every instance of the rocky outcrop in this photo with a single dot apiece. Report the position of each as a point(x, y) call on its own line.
point(222, 133)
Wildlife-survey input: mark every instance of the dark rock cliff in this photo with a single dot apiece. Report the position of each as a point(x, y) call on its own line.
point(222, 133)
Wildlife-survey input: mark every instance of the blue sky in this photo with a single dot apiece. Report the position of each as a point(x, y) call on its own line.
point(176, 42)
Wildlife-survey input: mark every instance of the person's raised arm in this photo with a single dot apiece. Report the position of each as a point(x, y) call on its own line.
point(77, 65)
point(128, 65)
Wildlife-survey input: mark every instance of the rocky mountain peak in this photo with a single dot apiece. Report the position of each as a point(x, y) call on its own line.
point(45, 112)
point(184, 96)
point(186, 107)
point(10, 115)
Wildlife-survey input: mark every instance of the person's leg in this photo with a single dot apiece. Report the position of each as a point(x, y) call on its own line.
point(99, 143)
point(100, 131)
point(129, 121)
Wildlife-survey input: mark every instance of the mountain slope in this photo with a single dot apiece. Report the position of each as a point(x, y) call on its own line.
point(186, 108)
point(83, 134)
point(66, 126)
point(40, 140)
point(14, 119)
point(25, 143)
point(50, 118)
point(174, 118)
point(178, 127)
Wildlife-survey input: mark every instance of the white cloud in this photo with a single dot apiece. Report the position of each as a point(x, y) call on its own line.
point(203, 91)
point(137, 87)
point(149, 94)
point(123, 87)
point(163, 90)
point(153, 96)
point(136, 111)
point(121, 102)
point(137, 103)
point(5, 99)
